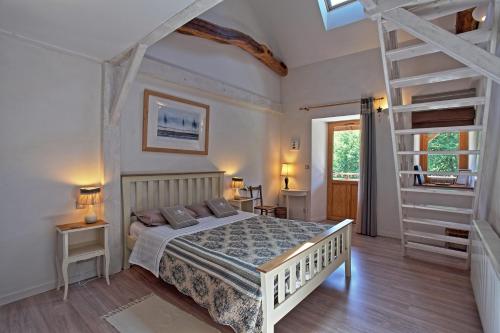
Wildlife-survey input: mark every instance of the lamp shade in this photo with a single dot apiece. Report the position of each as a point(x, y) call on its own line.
point(285, 169)
point(479, 13)
point(237, 182)
point(89, 196)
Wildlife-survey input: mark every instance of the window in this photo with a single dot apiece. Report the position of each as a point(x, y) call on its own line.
point(345, 152)
point(443, 142)
point(332, 4)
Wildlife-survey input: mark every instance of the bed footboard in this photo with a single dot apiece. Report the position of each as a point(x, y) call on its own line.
point(302, 269)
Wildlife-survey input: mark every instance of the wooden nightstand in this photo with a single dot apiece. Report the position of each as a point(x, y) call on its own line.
point(81, 251)
point(243, 204)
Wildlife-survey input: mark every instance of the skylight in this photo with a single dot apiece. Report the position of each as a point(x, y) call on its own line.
point(332, 4)
point(337, 13)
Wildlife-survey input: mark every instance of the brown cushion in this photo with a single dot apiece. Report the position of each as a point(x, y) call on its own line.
point(178, 217)
point(221, 208)
point(191, 212)
point(150, 217)
point(200, 209)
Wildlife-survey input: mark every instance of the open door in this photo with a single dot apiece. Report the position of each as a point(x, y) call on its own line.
point(343, 169)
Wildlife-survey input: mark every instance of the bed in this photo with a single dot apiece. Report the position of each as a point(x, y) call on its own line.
point(248, 270)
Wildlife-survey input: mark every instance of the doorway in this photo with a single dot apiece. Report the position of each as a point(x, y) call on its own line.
point(343, 169)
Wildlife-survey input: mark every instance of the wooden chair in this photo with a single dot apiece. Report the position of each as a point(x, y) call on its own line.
point(263, 208)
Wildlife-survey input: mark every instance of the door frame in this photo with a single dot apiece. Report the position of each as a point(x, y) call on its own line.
point(339, 125)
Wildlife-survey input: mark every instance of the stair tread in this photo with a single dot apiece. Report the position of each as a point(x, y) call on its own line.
point(438, 223)
point(448, 209)
point(432, 190)
point(476, 37)
point(438, 130)
point(438, 237)
point(429, 11)
point(437, 249)
point(447, 75)
point(440, 152)
point(437, 105)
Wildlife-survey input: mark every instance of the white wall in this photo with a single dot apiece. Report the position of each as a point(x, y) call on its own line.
point(348, 78)
point(243, 142)
point(49, 144)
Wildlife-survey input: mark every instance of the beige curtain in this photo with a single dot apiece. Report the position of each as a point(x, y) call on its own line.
point(367, 189)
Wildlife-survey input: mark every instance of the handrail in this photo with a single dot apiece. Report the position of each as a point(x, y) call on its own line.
point(295, 251)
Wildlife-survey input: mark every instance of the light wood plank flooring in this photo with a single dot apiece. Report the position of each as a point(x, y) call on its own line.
point(387, 293)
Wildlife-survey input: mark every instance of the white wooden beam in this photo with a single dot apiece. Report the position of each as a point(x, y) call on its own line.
point(171, 24)
point(385, 5)
point(469, 54)
point(132, 69)
point(443, 76)
point(439, 9)
point(475, 36)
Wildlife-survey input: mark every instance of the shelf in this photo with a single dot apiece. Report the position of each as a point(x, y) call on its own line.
point(437, 237)
point(439, 190)
point(84, 249)
point(437, 249)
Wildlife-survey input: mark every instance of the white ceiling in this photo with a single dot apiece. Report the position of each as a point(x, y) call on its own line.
point(297, 27)
point(99, 29)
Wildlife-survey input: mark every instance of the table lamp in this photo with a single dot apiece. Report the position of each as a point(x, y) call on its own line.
point(90, 196)
point(285, 170)
point(237, 184)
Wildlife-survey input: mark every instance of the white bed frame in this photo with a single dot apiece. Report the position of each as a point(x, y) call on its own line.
point(158, 190)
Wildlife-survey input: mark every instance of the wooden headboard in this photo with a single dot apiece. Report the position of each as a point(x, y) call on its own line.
point(144, 191)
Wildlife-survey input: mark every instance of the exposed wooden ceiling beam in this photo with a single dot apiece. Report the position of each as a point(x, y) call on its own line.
point(465, 22)
point(207, 30)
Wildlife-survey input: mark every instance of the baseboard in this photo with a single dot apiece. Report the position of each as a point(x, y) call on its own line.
point(41, 288)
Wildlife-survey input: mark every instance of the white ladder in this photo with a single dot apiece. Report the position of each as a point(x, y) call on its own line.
point(413, 16)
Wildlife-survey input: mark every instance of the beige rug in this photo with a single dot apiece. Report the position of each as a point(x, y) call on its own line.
point(152, 314)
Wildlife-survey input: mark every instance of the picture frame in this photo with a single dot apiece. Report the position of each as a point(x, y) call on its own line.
point(174, 125)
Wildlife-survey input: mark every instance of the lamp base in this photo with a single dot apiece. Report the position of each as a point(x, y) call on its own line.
point(90, 219)
point(237, 194)
point(286, 183)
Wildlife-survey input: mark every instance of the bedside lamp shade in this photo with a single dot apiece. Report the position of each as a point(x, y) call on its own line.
point(90, 196)
point(236, 184)
point(285, 171)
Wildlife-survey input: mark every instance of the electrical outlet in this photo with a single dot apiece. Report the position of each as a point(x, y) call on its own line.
point(307, 167)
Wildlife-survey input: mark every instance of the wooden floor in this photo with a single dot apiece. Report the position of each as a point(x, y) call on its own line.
point(387, 293)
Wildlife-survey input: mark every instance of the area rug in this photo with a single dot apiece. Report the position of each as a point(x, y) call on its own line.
point(151, 314)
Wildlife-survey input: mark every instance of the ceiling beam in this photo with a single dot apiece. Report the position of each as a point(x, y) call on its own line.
point(465, 52)
point(120, 97)
point(465, 22)
point(207, 30)
point(195, 9)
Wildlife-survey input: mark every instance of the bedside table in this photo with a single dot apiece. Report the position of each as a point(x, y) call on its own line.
point(243, 204)
point(81, 251)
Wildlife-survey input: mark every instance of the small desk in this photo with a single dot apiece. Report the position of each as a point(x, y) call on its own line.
point(243, 204)
point(81, 251)
point(295, 193)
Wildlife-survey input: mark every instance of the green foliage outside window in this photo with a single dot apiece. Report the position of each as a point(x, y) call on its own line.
point(444, 141)
point(346, 154)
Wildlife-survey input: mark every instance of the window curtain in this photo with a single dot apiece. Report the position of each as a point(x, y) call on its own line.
point(367, 193)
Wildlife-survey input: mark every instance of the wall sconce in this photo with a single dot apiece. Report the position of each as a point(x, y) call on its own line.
point(237, 184)
point(89, 196)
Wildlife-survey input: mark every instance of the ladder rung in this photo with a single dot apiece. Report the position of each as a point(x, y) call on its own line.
point(439, 130)
point(447, 209)
point(438, 223)
point(438, 9)
point(449, 104)
point(476, 37)
point(440, 152)
point(437, 249)
point(441, 190)
point(438, 173)
point(448, 75)
point(442, 238)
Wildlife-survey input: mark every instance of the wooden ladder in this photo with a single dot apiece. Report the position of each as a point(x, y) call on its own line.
point(474, 49)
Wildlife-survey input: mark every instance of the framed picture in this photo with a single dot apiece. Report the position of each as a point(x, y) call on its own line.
point(174, 125)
